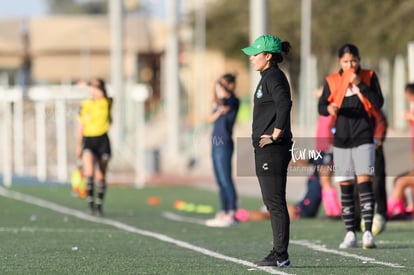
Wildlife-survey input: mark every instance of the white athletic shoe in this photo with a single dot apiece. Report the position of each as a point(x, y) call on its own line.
point(350, 240)
point(221, 220)
point(368, 240)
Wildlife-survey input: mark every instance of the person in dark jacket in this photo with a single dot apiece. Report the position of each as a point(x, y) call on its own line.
point(272, 139)
point(379, 179)
point(350, 95)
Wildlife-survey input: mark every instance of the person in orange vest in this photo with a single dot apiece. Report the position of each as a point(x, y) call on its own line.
point(350, 94)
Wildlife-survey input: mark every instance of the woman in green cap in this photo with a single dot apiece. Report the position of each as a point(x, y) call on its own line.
point(272, 139)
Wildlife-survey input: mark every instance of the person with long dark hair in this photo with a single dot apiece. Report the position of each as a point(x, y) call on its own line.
point(272, 139)
point(224, 117)
point(351, 95)
point(93, 145)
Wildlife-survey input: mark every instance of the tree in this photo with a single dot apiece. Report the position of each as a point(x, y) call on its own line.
point(379, 28)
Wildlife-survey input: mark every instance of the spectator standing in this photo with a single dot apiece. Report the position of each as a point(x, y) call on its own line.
point(224, 117)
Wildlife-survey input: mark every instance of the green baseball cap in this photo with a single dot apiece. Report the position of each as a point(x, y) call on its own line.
point(264, 43)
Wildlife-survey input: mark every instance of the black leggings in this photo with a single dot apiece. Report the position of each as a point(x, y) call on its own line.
point(379, 182)
point(271, 169)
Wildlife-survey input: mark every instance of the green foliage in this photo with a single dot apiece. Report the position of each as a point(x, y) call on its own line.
point(381, 29)
point(226, 27)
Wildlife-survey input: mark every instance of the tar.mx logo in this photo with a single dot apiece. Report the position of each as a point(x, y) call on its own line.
point(304, 154)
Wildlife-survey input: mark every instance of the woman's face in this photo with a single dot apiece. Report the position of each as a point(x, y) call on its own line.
point(409, 96)
point(95, 90)
point(261, 61)
point(349, 61)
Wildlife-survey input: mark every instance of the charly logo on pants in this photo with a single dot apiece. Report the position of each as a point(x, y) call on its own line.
point(265, 166)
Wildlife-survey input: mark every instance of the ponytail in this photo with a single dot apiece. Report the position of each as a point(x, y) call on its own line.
point(278, 57)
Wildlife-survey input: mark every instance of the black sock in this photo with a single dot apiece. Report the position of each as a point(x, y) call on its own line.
point(348, 206)
point(367, 203)
point(90, 198)
point(101, 194)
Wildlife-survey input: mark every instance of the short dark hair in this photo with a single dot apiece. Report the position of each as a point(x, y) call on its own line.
point(348, 48)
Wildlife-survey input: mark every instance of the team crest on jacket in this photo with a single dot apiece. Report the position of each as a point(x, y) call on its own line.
point(259, 92)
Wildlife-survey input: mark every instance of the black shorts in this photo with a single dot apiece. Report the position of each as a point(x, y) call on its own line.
point(99, 146)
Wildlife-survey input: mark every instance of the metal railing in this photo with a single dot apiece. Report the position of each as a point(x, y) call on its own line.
point(39, 131)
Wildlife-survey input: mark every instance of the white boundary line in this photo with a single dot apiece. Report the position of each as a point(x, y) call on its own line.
point(179, 218)
point(76, 213)
point(29, 229)
point(308, 244)
point(321, 248)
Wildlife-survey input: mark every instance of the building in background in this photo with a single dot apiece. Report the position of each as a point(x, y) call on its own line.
point(12, 50)
point(64, 49)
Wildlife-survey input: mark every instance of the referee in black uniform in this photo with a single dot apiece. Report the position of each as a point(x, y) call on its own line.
point(272, 139)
